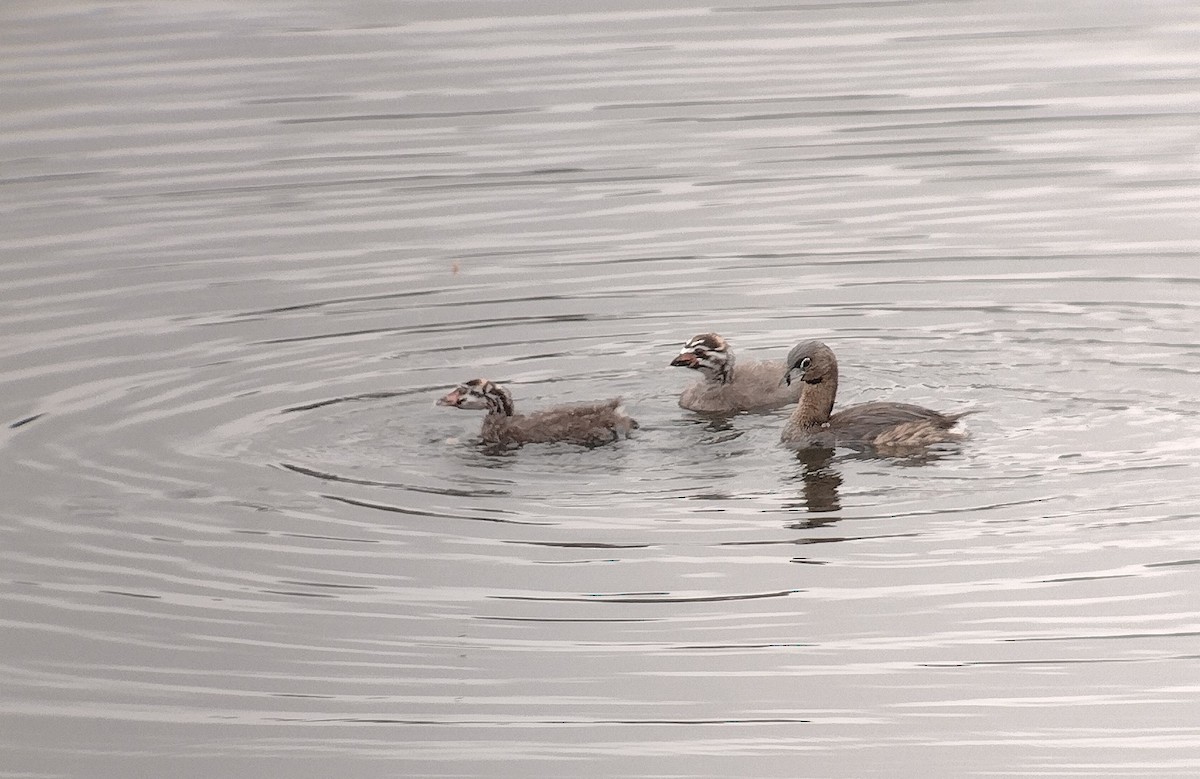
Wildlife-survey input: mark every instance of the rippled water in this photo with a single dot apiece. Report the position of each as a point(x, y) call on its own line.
point(244, 250)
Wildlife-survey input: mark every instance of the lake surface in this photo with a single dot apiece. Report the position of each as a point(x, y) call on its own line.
point(245, 249)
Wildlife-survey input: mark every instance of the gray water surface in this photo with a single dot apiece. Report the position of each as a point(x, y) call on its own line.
point(245, 249)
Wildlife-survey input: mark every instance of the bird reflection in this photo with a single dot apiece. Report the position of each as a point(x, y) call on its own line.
point(719, 426)
point(820, 482)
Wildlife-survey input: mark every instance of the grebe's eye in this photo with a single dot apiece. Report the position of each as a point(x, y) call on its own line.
point(700, 351)
point(807, 361)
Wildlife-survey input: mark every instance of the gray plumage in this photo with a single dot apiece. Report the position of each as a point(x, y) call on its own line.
point(884, 427)
point(586, 424)
point(726, 388)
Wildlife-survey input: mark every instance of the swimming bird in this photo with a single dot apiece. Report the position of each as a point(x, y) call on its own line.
point(586, 424)
point(752, 386)
point(887, 428)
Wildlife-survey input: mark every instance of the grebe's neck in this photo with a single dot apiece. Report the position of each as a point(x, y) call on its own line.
point(816, 403)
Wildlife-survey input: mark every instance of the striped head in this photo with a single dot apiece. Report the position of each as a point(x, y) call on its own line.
point(479, 393)
point(709, 354)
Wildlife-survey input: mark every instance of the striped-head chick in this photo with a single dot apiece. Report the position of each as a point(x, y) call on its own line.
point(709, 354)
point(479, 393)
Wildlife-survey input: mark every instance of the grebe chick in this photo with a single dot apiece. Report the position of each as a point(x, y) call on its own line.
point(586, 424)
point(753, 386)
point(887, 428)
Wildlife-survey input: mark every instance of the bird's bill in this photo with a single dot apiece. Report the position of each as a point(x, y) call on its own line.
point(451, 398)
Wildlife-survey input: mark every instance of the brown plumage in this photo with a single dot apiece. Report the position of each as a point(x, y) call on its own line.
point(888, 428)
point(753, 386)
point(586, 424)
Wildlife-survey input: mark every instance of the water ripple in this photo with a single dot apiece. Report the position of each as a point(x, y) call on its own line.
point(237, 531)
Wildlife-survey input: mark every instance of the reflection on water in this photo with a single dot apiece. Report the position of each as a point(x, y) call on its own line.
point(245, 249)
point(820, 479)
